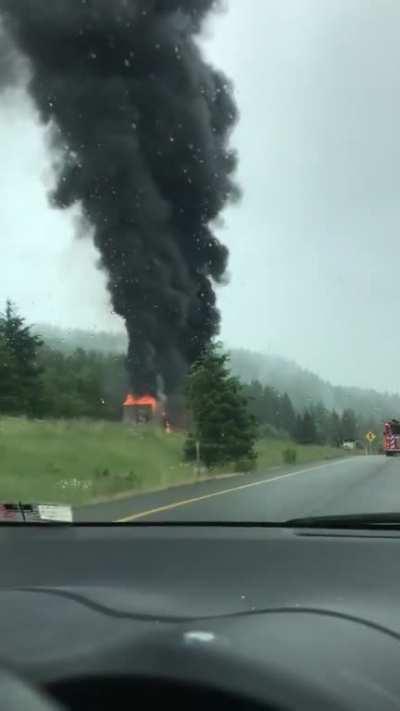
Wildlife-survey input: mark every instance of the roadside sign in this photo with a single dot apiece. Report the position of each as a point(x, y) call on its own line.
point(36, 513)
point(370, 436)
point(55, 512)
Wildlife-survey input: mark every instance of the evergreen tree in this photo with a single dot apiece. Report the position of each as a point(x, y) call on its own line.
point(83, 384)
point(8, 378)
point(254, 394)
point(321, 418)
point(287, 415)
point(306, 431)
point(20, 374)
point(335, 429)
point(349, 425)
point(271, 406)
point(222, 424)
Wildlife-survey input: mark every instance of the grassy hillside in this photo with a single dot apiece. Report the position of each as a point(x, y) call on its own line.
point(270, 452)
point(78, 461)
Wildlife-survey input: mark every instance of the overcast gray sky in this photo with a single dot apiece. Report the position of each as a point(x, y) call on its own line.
point(315, 255)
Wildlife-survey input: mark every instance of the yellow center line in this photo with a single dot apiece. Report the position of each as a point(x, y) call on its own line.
point(195, 499)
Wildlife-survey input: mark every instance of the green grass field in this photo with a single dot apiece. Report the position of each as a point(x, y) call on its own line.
point(80, 461)
point(270, 452)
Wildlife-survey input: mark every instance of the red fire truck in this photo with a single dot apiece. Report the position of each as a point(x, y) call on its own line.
point(391, 437)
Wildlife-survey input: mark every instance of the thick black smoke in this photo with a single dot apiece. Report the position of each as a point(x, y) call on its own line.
point(142, 124)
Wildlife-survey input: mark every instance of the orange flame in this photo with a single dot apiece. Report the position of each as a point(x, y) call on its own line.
point(133, 400)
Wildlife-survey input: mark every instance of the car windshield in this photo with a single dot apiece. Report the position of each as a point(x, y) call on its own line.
point(199, 209)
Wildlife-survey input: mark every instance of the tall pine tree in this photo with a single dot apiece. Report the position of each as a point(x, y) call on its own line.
point(349, 425)
point(287, 415)
point(20, 382)
point(306, 431)
point(222, 425)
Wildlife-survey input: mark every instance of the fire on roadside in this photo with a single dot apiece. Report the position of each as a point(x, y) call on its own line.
point(140, 401)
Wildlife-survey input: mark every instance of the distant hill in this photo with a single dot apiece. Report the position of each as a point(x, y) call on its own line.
point(303, 386)
point(306, 388)
point(68, 340)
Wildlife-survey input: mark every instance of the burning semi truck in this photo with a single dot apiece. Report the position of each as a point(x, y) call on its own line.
point(144, 409)
point(391, 437)
point(140, 409)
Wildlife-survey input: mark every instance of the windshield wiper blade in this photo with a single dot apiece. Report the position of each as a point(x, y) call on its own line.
point(364, 520)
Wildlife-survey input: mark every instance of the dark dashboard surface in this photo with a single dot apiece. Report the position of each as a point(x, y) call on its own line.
point(277, 617)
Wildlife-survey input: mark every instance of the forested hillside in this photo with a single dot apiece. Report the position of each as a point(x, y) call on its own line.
point(306, 388)
point(48, 373)
point(68, 341)
point(303, 387)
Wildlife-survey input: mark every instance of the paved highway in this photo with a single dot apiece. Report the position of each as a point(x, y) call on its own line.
point(351, 485)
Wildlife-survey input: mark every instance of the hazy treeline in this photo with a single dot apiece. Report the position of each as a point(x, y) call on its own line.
point(40, 381)
point(82, 384)
point(48, 372)
point(306, 389)
point(69, 340)
point(276, 416)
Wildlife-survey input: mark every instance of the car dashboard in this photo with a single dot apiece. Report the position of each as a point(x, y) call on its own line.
point(224, 616)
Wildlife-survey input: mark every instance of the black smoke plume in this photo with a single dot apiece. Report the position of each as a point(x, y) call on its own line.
point(141, 123)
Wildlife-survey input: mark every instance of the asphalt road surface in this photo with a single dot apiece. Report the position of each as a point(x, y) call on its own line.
point(351, 485)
